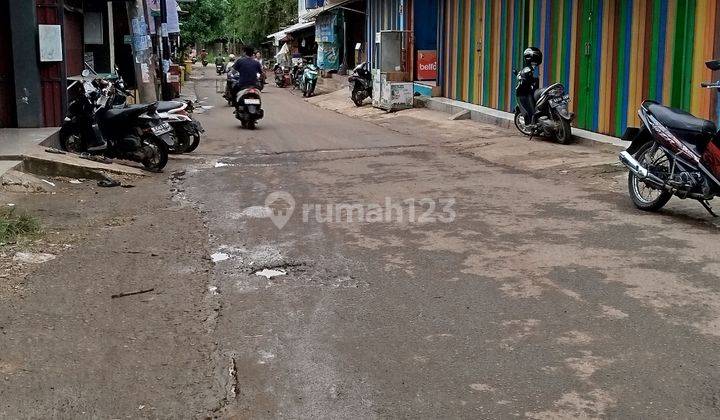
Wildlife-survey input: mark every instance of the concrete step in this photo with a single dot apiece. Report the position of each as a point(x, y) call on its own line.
point(14, 142)
point(6, 165)
point(37, 161)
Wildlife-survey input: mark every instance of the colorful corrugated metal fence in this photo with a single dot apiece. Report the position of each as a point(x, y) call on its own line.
point(611, 54)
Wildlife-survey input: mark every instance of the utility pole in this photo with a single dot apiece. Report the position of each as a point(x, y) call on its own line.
point(165, 62)
point(142, 58)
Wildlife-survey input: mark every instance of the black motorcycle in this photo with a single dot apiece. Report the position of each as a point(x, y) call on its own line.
point(360, 84)
point(134, 133)
point(295, 75)
point(219, 65)
point(673, 153)
point(246, 100)
point(541, 111)
point(176, 113)
point(283, 76)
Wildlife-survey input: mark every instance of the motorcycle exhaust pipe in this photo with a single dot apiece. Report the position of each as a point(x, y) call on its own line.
point(642, 172)
point(635, 167)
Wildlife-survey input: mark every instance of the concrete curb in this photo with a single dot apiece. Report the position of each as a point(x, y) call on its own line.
point(506, 120)
point(39, 162)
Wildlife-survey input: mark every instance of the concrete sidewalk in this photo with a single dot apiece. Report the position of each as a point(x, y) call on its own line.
point(25, 149)
point(595, 161)
point(15, 142)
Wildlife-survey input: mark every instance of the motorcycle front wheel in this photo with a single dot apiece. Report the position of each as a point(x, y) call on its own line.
point(155, 154)
point(71, 141)
point(657, 161)
point(520, 124)
point(358, 97)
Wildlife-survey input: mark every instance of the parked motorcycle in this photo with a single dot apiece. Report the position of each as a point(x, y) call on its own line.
point(541, 111)
point(176, 113)
point(360, 84)
point(295, 75)
point(133, 133)
point(309, 79)
point(282, 76)
point(673, 153)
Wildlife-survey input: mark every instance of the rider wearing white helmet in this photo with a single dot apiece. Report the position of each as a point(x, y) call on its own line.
point(231, 61)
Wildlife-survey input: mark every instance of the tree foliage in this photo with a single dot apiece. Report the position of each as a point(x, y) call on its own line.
point(245, 21)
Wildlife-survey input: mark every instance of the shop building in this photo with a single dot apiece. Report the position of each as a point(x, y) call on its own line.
point(611, 54)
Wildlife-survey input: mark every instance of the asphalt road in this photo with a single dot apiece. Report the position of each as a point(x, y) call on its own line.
point(503, 294)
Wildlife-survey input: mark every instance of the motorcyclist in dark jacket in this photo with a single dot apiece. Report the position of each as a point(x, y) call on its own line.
point(248, 69)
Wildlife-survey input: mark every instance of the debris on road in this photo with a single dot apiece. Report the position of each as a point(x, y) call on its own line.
point(270, 273)
point(108, 183)
point(219, 256)
point(48, 182)
point(33, 258)
point(137, 292)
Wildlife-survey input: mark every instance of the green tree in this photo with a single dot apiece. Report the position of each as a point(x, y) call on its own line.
point(244, 21)
point(204, 21)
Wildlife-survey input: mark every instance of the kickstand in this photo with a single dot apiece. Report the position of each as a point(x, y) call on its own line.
point(708, 208)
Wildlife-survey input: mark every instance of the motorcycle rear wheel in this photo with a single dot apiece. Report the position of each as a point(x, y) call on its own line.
point(156, 154)
point(644, 197)
point(564, 133)
point(195, 143)
point(183, 141)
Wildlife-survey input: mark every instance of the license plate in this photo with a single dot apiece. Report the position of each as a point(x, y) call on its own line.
point(251, 101)
point(161, 129)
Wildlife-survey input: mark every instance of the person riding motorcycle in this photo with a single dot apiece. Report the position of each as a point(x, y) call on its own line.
point(248, 69)
point(230, 63)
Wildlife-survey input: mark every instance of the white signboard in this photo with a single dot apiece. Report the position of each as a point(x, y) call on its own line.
point(50, 40)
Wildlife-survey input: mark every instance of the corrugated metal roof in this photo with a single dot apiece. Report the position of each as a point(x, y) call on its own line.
point(329, 4)
point(290, 29)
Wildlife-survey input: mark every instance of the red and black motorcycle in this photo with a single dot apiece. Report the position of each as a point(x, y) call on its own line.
point(673, 153)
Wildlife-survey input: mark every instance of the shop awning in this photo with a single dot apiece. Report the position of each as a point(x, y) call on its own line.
point(329, 5)
point(290, 29)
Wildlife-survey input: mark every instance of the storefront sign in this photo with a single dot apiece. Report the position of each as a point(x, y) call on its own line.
point(50, 38)
point(427, 65)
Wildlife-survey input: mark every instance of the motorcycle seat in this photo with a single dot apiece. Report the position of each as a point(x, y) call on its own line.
point(539, 92)
point(130, 111)
point(165, 106)
point(688, 126)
